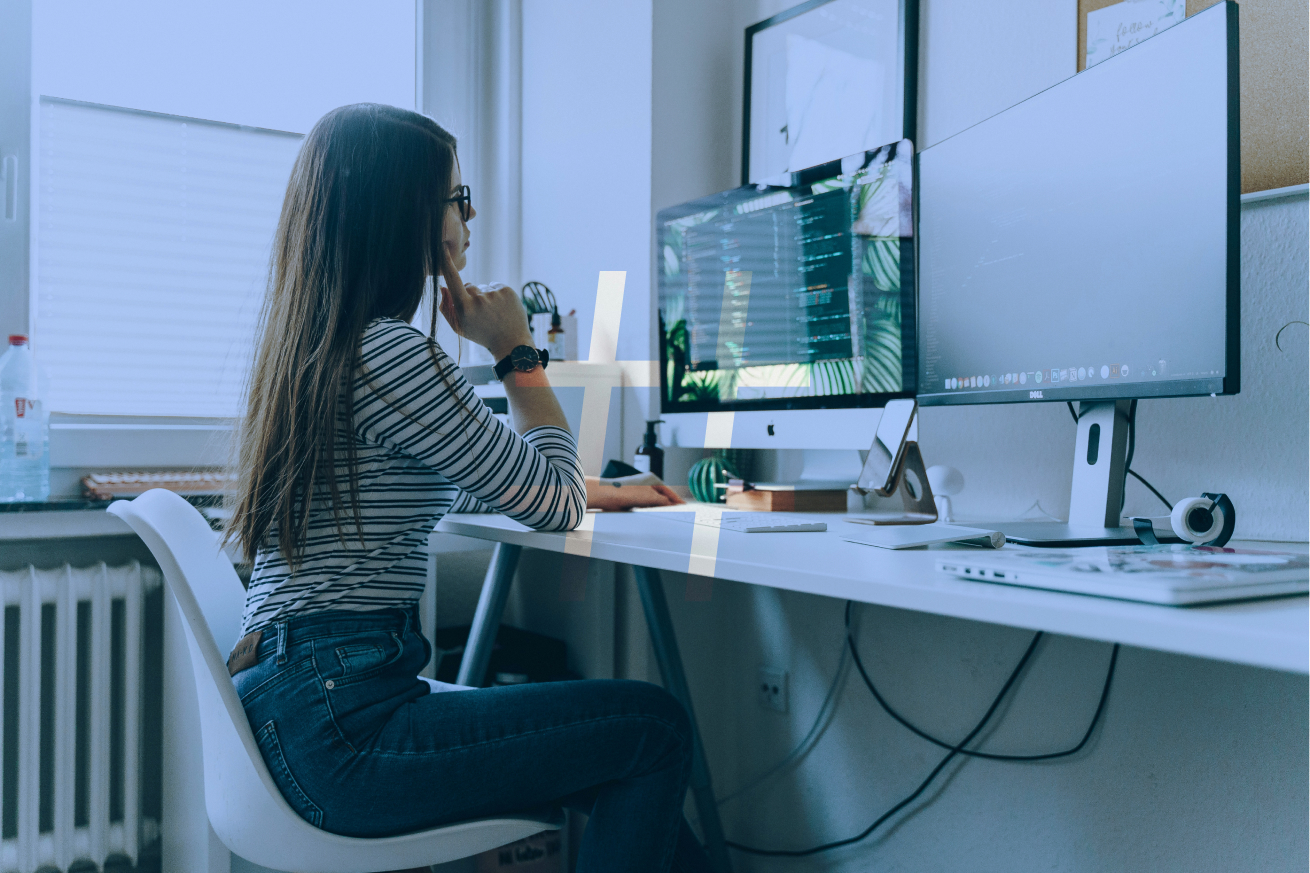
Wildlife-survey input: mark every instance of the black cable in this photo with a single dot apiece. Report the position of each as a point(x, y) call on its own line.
point(1279, 336)
point(1151, 488)
point(1132, 447)
point(1128, 463)
point(1132, 450)
point(887, 707)
point(955, 750)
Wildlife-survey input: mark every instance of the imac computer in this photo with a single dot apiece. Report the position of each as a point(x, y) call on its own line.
point(1083, 246)
point(786, 308)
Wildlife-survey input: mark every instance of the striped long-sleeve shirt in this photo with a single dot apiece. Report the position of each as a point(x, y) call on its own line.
point(425, 445)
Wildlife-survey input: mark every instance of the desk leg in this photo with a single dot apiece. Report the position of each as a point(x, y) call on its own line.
point(651, 590)
point(486, 620)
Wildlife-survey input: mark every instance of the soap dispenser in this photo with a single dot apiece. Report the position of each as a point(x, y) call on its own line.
point(649, 457)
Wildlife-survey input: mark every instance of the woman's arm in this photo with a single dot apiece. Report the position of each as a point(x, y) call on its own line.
point(532, 402)
point(430, 413)
point(629, 492)
point(496, 320)
point(611, 495)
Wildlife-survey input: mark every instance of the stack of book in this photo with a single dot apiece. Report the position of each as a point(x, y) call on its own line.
point(112, 486)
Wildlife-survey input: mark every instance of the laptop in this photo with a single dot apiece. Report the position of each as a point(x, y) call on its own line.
point(1174, 575)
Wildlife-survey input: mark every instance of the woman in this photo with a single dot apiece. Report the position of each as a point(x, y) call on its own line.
point(359, 435)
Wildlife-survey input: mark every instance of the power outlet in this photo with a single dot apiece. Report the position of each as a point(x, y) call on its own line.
point(771, 689)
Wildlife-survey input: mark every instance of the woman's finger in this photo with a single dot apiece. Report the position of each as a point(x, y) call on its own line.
point(669, 494)
point(446, 306)
point(454, 284)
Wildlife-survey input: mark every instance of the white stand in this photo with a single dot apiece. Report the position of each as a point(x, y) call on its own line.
point(1096, 498)
point(908, 501)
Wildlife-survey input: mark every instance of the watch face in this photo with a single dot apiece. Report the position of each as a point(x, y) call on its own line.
point(524, 358)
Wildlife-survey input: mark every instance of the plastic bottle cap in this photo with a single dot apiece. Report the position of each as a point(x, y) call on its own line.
point(17, 339)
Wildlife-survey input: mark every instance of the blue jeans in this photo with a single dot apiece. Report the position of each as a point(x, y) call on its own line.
point(359, 747)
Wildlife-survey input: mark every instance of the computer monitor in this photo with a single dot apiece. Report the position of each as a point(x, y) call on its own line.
point(1083, 245)
point(791, 296)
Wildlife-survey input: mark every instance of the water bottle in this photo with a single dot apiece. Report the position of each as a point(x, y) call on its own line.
point(24, 426)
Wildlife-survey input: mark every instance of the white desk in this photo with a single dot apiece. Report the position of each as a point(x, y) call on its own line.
point(1270, 633)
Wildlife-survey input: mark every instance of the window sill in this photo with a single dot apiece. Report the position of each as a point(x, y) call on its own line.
point(81, 444)
point(68, 524)
point(131, 443)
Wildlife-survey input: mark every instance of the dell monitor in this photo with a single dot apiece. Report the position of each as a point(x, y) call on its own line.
point(1083, 246)
point(786, 308)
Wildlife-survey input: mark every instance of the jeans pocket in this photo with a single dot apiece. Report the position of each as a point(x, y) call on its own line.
point(362, 655)
point(357, 659)
point(270, 747)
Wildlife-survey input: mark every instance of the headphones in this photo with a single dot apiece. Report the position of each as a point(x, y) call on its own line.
point(1207, 520)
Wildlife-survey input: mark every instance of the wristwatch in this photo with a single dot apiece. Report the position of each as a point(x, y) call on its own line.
point(524, 359)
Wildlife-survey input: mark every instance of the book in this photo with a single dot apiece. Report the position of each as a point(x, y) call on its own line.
point(188, 483)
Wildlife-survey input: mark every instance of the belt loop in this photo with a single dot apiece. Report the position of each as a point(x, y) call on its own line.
point(281, 642)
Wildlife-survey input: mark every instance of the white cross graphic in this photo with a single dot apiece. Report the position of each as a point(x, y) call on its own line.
point(704, 547)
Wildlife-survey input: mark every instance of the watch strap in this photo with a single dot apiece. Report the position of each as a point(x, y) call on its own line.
point(506, 364)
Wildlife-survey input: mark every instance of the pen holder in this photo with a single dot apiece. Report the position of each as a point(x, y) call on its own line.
point(908, 501)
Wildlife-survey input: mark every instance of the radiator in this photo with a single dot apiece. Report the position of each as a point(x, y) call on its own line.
point(80, 657)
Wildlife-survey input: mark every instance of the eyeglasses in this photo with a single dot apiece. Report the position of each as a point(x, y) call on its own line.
point(465, 200)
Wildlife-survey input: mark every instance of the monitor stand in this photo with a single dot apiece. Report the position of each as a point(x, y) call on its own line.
point(1096, 498)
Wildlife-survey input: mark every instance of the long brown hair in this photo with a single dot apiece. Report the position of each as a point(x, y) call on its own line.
point(359, 235)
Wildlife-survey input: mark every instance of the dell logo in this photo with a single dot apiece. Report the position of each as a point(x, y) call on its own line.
point(1034, 395)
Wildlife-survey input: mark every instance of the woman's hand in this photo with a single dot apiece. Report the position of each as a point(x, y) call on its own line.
point(493, 317)
point(629, 492)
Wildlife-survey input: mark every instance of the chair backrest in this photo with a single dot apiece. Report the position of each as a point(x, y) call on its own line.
point(245, 806)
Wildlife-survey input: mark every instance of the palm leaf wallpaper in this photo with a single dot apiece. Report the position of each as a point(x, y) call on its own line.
point(849, 289)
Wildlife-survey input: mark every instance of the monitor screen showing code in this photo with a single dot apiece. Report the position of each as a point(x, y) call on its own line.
point(796, 294)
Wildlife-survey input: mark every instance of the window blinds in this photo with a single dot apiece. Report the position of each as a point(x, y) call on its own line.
point(151, 245)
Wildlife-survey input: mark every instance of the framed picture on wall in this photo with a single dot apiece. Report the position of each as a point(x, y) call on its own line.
point(825, 79)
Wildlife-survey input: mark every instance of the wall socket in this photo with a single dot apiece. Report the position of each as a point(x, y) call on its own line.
point(771, 689)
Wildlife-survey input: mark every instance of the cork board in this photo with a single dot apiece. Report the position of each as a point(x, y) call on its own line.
point(1274, 47)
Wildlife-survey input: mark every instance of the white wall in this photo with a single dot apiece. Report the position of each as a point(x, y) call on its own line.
point(586, 155)
point(1198, 766)
point(586, 199)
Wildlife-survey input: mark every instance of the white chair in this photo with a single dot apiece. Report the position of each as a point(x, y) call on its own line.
point(245, 807)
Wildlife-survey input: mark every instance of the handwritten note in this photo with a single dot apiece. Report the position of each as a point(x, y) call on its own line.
point(1123, 25)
